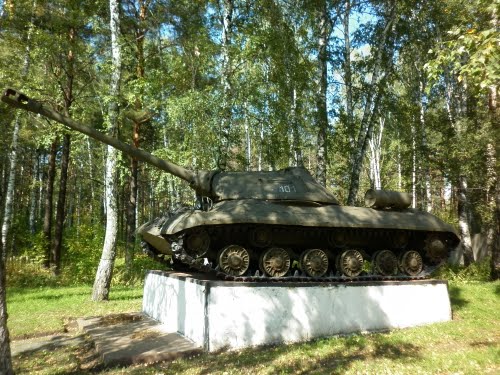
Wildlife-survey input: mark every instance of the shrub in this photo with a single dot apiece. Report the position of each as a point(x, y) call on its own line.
point(476, 272)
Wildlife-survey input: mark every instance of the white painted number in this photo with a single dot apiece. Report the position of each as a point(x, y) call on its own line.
point(287, 189)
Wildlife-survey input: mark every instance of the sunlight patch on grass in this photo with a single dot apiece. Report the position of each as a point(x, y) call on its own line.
point(470, 344)
point(35, 311)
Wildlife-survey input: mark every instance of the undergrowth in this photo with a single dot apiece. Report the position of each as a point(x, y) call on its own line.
point(80, 258)
point(476, 272)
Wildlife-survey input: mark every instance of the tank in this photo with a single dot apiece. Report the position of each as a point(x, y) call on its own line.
point(280, 224)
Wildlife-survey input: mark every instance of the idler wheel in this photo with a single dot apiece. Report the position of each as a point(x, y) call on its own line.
point(197, 242)
point(234, 260)
point(314, 262)
point(385, 263)
point(435, 248)
point(411, 263)
point(350, 263)
point(275, 262)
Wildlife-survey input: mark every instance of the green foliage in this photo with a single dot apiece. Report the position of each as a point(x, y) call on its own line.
point(83, 251)
point(475, 273)
point(135, 276)
point(437, 125)
point(471, 50)
point(27, 273)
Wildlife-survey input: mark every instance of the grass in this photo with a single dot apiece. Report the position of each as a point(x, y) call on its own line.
point(470, 344)
point(39, 311)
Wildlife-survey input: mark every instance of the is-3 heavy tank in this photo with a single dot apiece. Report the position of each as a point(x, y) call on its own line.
point(280, 223)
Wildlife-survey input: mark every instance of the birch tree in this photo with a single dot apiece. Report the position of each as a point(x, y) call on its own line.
point(373, 96)
point(9, 195)
point(321, 105)
point(226, 83)
point(104, 273)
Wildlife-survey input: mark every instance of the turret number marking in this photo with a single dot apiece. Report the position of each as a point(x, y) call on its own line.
point(289, 188)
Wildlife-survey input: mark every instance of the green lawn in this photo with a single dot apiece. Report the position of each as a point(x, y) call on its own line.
point(470, 344)
point(37, 311)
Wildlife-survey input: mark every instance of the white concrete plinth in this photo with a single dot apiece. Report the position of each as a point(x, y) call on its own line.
point(229, 315)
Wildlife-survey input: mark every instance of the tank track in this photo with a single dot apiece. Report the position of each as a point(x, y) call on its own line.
point(182, 257)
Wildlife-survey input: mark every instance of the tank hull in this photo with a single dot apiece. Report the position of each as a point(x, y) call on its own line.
point(331, 216)
point(261, 226)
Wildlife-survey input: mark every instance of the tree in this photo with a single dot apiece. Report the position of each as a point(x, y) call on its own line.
point(5, 354)
point(465, 60)
point(226, 83)
point(322, 112)
point(373, 96)
point(105, 270)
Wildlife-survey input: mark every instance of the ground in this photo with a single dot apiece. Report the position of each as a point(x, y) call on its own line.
point(470, 344)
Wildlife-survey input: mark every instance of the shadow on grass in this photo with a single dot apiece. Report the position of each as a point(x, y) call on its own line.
point(326, 356)
point(456, 298)
point(61, 355)
point(497, 290)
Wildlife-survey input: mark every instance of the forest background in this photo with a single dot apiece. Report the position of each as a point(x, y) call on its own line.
point(397, 95)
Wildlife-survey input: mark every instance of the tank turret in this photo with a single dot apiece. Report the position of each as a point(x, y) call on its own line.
point(268, 222)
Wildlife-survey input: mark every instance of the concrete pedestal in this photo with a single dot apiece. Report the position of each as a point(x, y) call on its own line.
point(229, 315)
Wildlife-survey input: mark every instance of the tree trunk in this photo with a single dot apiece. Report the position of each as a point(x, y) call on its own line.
point(131, 221)
point(296, 139)
point(495, 254)
point(463, 221)
point(49, 192)
point(131, 214)
point(371, 103)
point(105, 270)
point(425, 156)
point(493, 182)
point(321, 107)
point(5, 355)
point(348, 74)
point(91, 181)
point(61, 202)
point(9, 194)
point(33, 198)
point(227, 90)
point(248, 140)
point(375, 155)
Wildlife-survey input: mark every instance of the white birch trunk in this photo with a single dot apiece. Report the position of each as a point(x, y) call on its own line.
point(5, 352)
point(295, 138)
point(413, 167)
point(105, 270)
point(348, 75)
point(9, 195)
point(261, 146)
point(375, 144)
point(321, 107)
point(427, 173)
point(371, 104)
point(463, 221)
point(225, 137)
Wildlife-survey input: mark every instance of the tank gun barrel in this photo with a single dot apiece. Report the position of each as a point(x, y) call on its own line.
point(200, 181)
